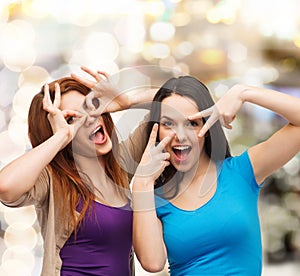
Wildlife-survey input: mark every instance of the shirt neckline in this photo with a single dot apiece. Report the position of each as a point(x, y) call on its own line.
point(211, 200)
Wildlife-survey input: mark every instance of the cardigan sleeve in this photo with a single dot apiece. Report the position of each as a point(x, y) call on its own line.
point(132, 149)
point(37, 195)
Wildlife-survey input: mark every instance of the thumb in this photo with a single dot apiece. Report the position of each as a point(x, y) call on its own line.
point(79, 122)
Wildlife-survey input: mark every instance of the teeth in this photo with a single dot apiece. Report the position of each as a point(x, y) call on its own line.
point(181, 147)
point(97, 129)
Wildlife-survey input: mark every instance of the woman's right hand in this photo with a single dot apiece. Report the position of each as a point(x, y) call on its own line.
point(65, 122)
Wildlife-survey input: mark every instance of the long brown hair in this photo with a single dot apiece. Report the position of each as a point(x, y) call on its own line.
point(69, 187)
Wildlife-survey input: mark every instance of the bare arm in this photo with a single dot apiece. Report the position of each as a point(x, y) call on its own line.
point(284, 144)
point(147, 229)
point(273, 153)
point(19, 176)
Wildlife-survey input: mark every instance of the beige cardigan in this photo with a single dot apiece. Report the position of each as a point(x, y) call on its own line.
point(42, 197)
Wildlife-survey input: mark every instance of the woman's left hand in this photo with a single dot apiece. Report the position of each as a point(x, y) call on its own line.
point(154, 159)
point(104, 97)
point(224, 110)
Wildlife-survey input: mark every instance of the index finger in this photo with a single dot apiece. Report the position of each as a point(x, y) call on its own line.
point(164, 142)
point(208, 124)
point(153, 135)
point(46, 99)
point(105, 74)
point(201, 114)
point(47, 102)
point(57, 96)
point(90, 84)
point(94, 74)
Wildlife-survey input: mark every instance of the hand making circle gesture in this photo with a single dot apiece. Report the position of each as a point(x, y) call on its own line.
point(104, 97)
point(67, 121)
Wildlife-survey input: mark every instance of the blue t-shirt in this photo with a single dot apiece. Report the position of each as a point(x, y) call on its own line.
point(222, 237)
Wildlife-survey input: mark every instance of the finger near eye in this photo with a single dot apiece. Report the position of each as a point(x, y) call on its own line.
point(70, 119)
point(96, 102)
point(57, 96)
point(154, 132)
point(91, 102)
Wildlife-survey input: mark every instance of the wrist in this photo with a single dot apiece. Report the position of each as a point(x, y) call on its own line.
point(62, 137)
point(142, 184)
point(131, 101)
point(142, 199)
point(241, 91)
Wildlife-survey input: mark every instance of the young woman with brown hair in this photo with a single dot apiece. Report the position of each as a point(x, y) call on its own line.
point(75, 181)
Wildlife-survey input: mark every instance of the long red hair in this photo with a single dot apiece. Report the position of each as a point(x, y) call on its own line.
point(69, 187)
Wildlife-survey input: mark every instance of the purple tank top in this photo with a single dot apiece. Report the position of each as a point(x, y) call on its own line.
point(103, 243)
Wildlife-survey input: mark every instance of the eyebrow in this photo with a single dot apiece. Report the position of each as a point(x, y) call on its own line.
point(166, 117)
point(172, 119)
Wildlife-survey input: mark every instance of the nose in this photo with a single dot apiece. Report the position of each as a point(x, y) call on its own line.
point(89, 120)
point(180, 134)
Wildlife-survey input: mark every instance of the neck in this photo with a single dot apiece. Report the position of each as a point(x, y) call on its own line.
point(93, 168)
point(203, 176)
point(105, 190)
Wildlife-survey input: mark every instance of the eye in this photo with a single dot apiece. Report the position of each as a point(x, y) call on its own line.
point(70, 119)
point(167, 124)
point(192, 123)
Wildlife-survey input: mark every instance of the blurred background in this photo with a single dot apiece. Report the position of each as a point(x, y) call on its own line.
point(221, 42)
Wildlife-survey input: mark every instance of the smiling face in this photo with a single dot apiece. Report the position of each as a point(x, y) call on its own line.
point(186, 147)
point(91, 139)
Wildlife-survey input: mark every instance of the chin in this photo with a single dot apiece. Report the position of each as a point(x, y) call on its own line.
point(104, 149)
point(182, 168)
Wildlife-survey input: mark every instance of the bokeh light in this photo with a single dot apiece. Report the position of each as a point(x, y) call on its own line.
point(25, 215)
point(19, 234)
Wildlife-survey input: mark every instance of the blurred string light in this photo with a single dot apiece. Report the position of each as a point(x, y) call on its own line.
point(292, 167)
point(97, 48)
point(17, 48)
point(153, 8)
point(223, 12)
point(20, 239)
point(282, 19)
point(81, 13)
point(130, 32)
point(237, 52)
point(2, 119)
point(297, 40)
point(162, 31)
point(4, 12)
point(212, 56)
point(14, 141)
point(9, 150)
point(183, 49)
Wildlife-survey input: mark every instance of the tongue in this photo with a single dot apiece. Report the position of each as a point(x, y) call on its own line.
point(98, 137)
point(181, 154)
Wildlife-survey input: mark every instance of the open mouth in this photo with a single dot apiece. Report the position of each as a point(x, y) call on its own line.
point(181, 152)
point(98, 136)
